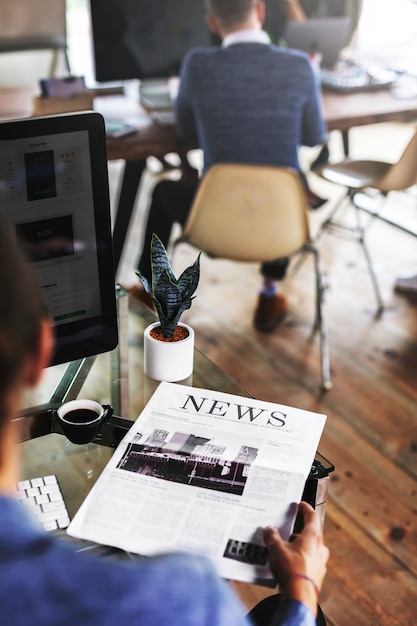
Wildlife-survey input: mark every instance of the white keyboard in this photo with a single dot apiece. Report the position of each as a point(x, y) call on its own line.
point(45, 501)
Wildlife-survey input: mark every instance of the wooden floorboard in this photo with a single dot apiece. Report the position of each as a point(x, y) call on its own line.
point(370, 434)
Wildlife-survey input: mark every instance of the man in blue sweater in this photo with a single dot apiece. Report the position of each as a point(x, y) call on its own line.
point(45, 583)
point(247, 101)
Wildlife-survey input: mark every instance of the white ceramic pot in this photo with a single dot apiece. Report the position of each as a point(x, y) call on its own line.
point(168, 360)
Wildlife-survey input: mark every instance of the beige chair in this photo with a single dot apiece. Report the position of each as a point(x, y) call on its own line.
point(359, 175)
point(256, 213)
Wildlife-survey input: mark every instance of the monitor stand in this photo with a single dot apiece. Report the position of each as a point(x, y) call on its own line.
point(36, 421)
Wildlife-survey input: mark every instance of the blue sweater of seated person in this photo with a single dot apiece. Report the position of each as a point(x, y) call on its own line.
point(45, 583)
point(250, 102)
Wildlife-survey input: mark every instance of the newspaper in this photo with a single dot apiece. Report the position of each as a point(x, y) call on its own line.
point(203, 471)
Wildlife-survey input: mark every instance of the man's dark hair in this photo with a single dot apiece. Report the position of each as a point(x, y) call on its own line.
point(230, 12)
point(21, 312)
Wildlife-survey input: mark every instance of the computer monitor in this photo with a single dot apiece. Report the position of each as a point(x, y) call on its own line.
point(327, 35)
point(142, 39)
point(275, 20)
point(54, 188)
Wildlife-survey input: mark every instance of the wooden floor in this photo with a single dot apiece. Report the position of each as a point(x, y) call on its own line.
point(371, 430)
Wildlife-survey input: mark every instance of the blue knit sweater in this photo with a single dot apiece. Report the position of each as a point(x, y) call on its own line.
point(249, 102)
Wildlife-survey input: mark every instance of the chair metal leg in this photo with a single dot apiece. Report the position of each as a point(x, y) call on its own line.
point(361, 238)
point(359, 233)
point(321, 318)
point(329, 221)
point(320, 322)
point(323, 226)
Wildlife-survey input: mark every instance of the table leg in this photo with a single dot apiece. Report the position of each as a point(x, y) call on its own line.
point(72, 380)
point(119, 358)
point(131, 178)
point(345, 140)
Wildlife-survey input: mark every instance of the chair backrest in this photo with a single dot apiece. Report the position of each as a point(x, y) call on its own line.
point(403, 173)
point(249, 213)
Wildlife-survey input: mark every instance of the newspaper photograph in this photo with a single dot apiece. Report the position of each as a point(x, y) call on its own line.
point(204, 472)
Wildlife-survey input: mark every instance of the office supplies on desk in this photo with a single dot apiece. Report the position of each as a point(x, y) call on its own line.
point(163, 118)
point(348, 77)
point(62, 95)
point(119, 128)
point(62, 87)
point(156, 95)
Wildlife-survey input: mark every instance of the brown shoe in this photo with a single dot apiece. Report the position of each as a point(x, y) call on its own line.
point(269, 312)
point(314, 201)
point(139, 295)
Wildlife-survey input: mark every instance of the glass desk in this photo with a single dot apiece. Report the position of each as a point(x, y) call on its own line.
point(115, 378)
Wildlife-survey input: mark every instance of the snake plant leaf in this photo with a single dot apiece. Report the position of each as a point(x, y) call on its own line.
point(167, 294)
point(171, 296)
point(145, 282)
point(188, 281)
point(170, 303)
point(159, 261)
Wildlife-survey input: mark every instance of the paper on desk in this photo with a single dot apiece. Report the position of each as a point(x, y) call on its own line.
point(203, 471)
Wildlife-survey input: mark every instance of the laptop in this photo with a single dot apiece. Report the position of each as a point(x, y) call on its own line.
point(328, 36)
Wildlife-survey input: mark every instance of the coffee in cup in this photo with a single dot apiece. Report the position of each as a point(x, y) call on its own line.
point(82, 420)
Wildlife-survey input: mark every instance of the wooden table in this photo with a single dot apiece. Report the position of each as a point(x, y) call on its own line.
point(341, 112)
point(345, 111)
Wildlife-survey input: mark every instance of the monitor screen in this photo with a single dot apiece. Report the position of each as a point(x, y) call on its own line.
point(54, 188)
point(140, 39)
point(274, 22)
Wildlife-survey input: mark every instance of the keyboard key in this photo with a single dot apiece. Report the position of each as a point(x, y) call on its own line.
point(51, 525)
point(48, 489)
point(53, 506)
point(55, 496)
point(50, 480)
point(42, 498)
point(63, 522)
point(23, 484)
point(37, 482)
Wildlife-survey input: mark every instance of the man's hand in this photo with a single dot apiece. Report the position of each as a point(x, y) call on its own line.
point(299, 566)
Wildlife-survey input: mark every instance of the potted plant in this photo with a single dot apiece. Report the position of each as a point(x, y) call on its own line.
point(169, 344)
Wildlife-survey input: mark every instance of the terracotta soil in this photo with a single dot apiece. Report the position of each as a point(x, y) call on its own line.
point(180, 333)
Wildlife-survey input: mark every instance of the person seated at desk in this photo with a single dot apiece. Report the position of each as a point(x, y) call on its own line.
point(248, 101)
point(44, 582)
